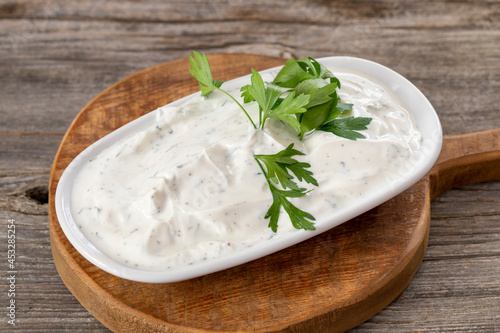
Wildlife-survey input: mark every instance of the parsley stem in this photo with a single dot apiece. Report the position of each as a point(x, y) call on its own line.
point(263, 171)
point(241, 107)
point(263, 122)
point(262, 168)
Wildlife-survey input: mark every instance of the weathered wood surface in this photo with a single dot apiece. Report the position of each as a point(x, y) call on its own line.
point(56, 56)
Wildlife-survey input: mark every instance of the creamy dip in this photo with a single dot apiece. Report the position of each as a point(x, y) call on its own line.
point(188, 189)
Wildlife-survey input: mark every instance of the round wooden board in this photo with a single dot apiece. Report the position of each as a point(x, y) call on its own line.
point(329, 283)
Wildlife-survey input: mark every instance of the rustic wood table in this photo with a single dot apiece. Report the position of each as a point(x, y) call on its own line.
point(56, 56)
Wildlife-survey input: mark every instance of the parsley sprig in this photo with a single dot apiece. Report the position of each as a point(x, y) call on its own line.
point(200, 69)
point(308, 76)
point(304, 95)
point(278, 168)
point(270, 101)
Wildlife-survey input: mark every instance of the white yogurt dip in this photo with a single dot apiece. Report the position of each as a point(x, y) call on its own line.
point(188, 189)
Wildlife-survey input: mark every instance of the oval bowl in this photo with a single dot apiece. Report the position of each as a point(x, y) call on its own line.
point(409, 96)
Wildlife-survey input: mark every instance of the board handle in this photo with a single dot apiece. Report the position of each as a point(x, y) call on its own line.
point(466, 159)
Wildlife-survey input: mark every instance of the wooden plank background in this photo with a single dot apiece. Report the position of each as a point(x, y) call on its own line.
point(55, 56)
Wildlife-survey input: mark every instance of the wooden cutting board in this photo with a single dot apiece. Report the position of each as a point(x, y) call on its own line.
point(329, 283)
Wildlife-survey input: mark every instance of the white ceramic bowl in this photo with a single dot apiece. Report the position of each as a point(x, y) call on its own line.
point(404, 90)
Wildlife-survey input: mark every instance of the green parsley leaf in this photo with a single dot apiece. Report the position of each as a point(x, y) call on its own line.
point(291, 74)
point(337, 109)
point(309, 77)
point(318, 115)
point(314, 117)
point(289, 107)
point(247, 97)
point(278, 166)
point(313, 67)
point(299, 170)
point(347, 127)
point(318, 89)
point(267, 98)
point(200, 69)
point(300, 219)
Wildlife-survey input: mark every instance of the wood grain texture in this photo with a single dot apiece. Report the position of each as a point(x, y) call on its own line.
point(56, 56)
